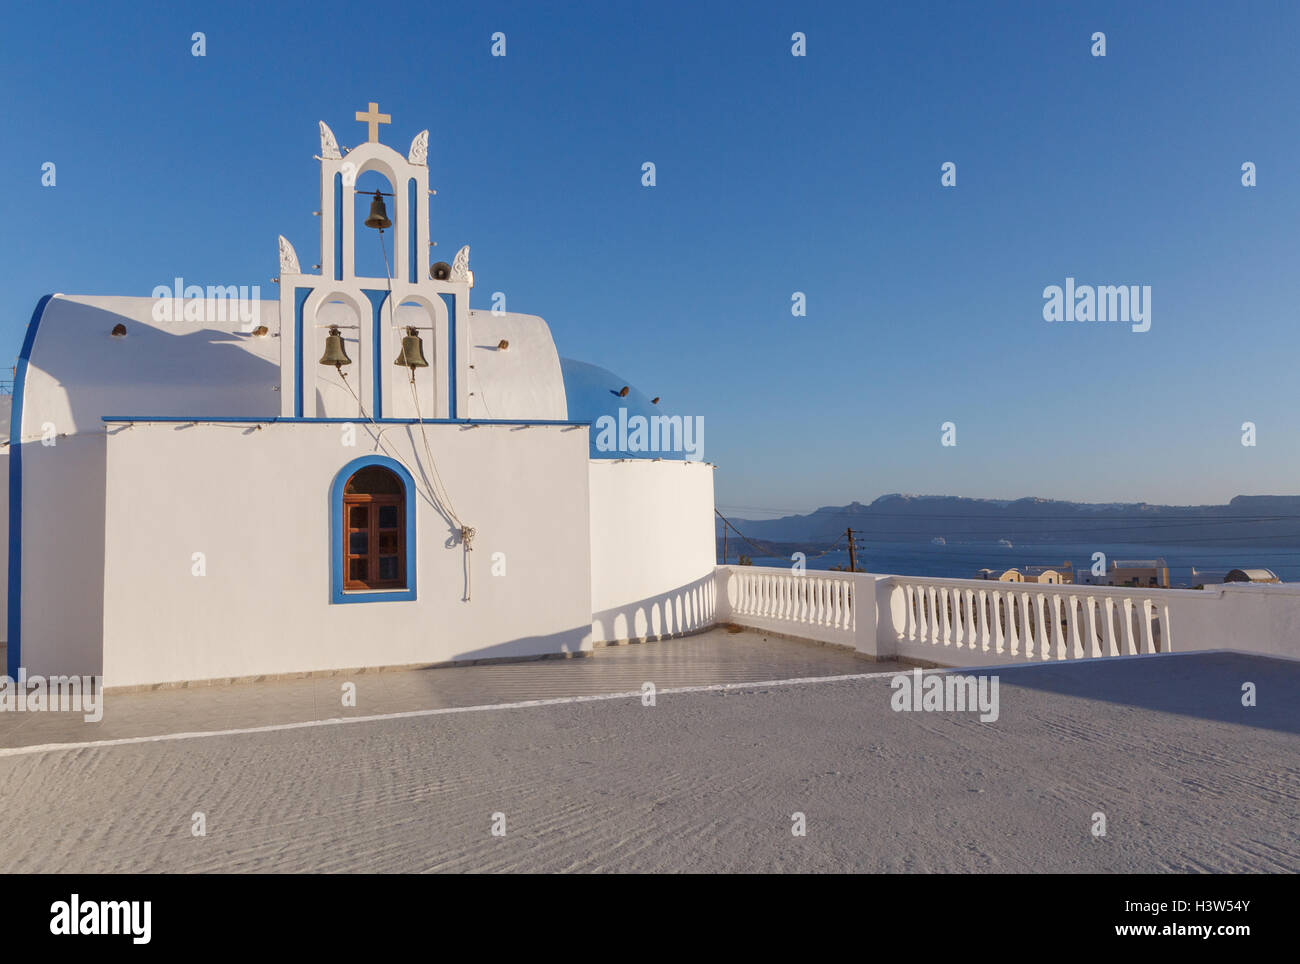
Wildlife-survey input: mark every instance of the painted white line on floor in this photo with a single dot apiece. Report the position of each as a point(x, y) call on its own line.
point(442, 711)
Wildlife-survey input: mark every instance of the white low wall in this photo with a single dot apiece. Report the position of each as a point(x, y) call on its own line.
point(973, 622)
point(652, 551)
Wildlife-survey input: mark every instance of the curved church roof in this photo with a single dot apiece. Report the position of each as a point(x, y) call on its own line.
point(593, 394)
point(79, 372)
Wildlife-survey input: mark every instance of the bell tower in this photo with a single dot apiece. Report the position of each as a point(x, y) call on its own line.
point(373, 315)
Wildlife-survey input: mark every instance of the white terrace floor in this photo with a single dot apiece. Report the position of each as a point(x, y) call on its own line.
point(713, 657)
point(1188, 778)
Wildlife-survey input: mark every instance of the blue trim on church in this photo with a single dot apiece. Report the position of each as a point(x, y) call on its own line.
point(300, 296)
point(14, 652)
point(282, 419)
point(377, 299)
point(337, 592)
point(450, 302)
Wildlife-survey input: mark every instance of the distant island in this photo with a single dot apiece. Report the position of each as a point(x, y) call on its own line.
point(1248, 520)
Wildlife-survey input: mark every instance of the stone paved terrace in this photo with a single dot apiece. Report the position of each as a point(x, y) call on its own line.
point(1189, 779)
point(712, 657)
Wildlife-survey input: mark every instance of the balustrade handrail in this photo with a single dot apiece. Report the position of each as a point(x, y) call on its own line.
point(1075, 588)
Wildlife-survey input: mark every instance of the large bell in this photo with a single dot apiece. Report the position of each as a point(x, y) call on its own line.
point(378, 217)
point(412, 355)
point(335, 354)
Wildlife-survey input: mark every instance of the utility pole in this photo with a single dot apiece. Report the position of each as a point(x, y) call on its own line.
point(853, 562)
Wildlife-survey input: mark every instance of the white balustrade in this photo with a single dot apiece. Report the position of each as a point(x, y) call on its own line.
point(818, 605)
point(1031, 621)
point(970, 622)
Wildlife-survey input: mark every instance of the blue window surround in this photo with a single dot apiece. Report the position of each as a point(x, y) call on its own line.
point(337, 593)
point(14, 652)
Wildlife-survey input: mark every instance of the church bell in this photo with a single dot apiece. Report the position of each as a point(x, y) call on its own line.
point(335, 354)
point(412, 355)
point(378, 217)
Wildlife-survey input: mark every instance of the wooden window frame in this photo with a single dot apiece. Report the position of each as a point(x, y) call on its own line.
point(373, 503)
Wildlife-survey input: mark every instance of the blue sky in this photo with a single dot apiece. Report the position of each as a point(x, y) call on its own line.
point(775, 174)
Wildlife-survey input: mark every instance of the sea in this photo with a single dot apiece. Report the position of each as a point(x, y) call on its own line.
point(962, 560)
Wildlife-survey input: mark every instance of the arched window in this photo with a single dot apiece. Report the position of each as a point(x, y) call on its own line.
point(374, 550)
point(373, 529)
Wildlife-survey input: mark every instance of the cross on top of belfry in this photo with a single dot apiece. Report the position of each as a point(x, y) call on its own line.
point(374, 119)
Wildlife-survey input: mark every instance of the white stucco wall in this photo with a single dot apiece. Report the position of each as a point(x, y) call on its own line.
point(652, 548)
point(1255, 618)
point(63, 552)
point(256, 503)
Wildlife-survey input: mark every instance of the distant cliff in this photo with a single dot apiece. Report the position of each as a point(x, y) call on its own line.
point(1268, 520)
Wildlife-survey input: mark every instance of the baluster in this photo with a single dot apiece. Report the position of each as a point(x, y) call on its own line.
point(998, 610)
point(1024, 625)
point(1148, 614)
point(1013, 630)
point(1128, 627)
point(1076, 643)
point(1058, 636)
point(1043, 637)
point(1094, 639)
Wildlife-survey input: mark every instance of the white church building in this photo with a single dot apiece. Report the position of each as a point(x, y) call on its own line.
point(365, 472)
